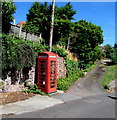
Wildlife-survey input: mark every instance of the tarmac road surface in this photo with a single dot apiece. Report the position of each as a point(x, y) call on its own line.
point(89, 85)
point(99, 106)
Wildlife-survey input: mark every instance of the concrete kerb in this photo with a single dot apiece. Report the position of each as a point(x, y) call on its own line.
point(32, 104)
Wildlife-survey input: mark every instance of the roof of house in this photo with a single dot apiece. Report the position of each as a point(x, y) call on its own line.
point(20, 23)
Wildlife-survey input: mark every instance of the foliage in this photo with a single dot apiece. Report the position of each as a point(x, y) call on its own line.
point(73, 73)
point(1, 83)
point(63, 25)
point(8, 9)
point(83, 37)
point(39, 18)
point(86, 40)
point(89, 68)
point(59, 51)
point(108, 50)
point(72, 68)
point(103, 69)
point(109, 76)
point(99, 53)
point(16, 54)
point(113, 55)
point(114, 58)
point(102, 65)
point(33, 89)
point(111, 52)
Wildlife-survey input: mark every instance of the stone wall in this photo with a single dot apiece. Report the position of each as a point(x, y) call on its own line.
point(61, 67)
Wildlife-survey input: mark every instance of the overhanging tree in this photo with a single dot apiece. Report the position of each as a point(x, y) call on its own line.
point(8, 9)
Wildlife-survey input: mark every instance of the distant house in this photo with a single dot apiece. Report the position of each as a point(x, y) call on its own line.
point(21, 23)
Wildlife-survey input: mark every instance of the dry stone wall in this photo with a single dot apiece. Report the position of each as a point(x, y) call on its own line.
point(61, 67)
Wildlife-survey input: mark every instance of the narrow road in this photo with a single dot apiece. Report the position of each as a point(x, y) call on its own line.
point(89, 85)
point(99, 106)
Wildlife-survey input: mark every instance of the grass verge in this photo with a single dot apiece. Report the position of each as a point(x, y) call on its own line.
point(89, 68)
point(109, 76)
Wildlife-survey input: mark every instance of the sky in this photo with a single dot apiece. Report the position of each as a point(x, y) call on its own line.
point(99, 13)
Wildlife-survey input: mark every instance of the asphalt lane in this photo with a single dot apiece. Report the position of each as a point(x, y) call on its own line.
point(99, 106)
point(89, 85)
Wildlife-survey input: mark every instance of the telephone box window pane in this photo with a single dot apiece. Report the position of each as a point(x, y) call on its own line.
point(42, 86)
point(52, 76)
point(52, 72)
point(42, 82)
point(42, 79)
point(52, 65)
point(42, 75)
point(52, 68)
point(52, 82)
point(42, 68)
point(52, 86)
point(42, 65)
point(52, 79)
point(53, 61)
point(42, 62)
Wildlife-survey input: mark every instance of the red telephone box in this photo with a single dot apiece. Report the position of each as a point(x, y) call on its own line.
point(47, 72)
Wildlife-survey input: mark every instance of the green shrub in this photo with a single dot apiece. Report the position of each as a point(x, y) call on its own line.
point(109, 76)
point(102, 65)
point(1, 83)
point(73, 73)
point(33, 89)
point(89, 68)
point(103, 69)
point(59, 51)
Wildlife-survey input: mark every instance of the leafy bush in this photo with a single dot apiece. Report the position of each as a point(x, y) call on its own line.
point(72, 68)
point(60, 51)
point(1, 83)
point(103, 69)
point(33, 89)
point(65, 83)
point(18, 53)
point(89, 68)
point(109, 76)
point(114, 57)
point(73, 73)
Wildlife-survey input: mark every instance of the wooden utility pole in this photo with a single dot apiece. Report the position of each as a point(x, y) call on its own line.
point(14, 27)
point(52, 25)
